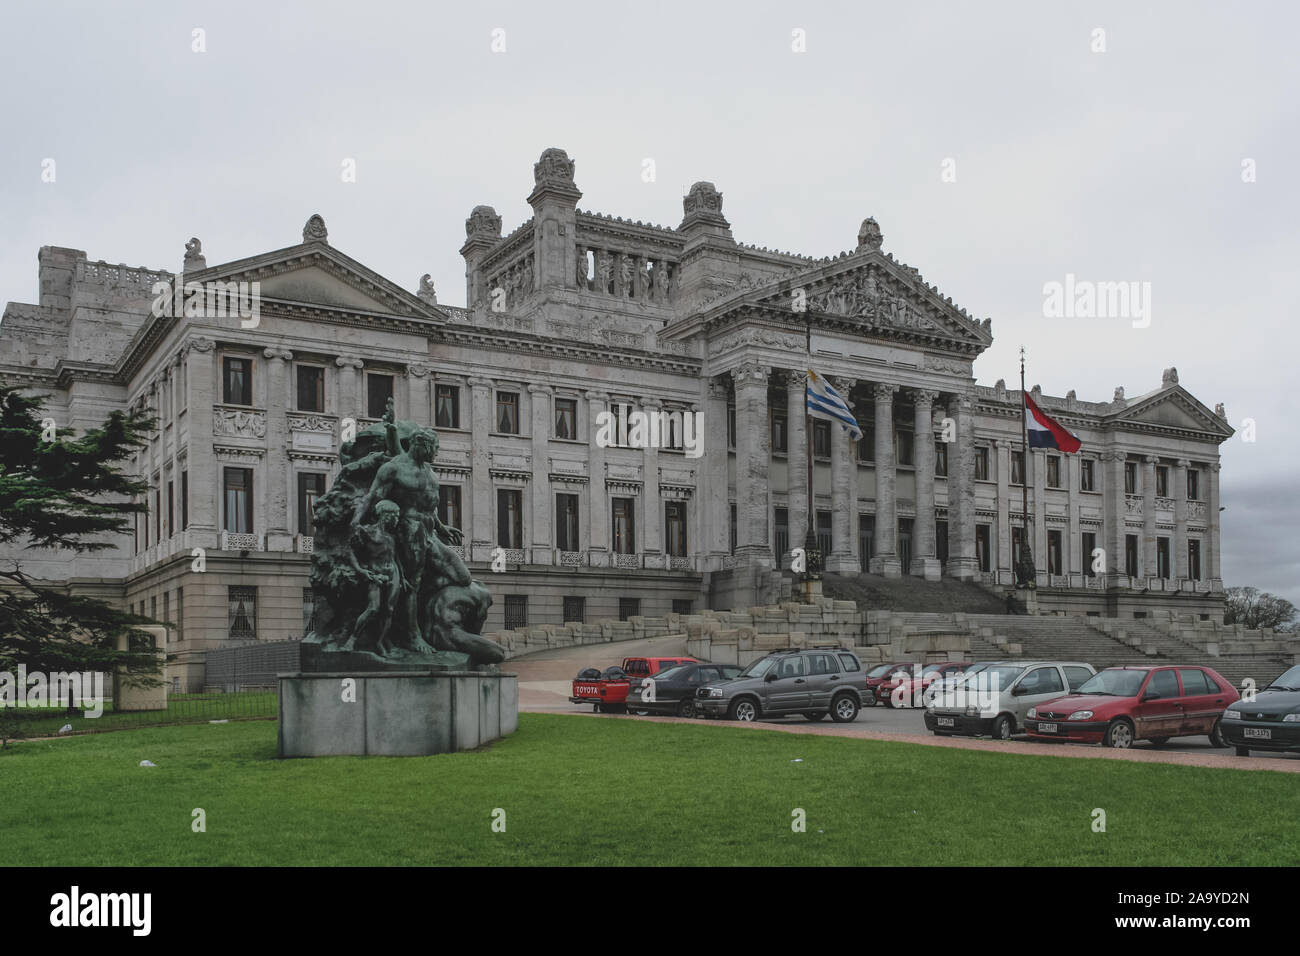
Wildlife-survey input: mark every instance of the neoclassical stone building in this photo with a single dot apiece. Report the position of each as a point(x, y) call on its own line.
point(570, 315)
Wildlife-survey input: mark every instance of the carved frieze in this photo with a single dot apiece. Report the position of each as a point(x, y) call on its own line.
point(235, 423)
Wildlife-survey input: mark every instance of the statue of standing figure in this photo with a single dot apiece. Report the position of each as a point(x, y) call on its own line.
point(385, 579)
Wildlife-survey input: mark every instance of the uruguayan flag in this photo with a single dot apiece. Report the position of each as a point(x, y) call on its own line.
point(825, 402)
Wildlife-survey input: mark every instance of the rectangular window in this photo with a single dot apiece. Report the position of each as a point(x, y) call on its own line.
point(1017, 536)
point(238, 486)
point(867, 443)
point(1018, 467)
point(781, 533)
point(731, 426)
point(1162, 557)
point(311, 388)
point(180, 614)
point(237, 381)
point(308, 612)
point(167, 608)
point(1194, 559)
point(1162, 481)
point(1131, 555)
point(508, 413)
point(510, 518)
point(628, 607)
point(157, 510)
point(1087, 474)
point(449, 505)
point(821, 439)
point(675, 528)
point(1193, 484)
point(903, 447)
point(1054, 555)
point(242, 613)
point(941, 459)
point(682, 605)
point(185, 500)
point(1130, 477)
point(866, 539)
point(1089, 539)
point(447, 406)
point(780, 440)
point(566, 522)
point(575, 609)
point(732, 537)
point(905, 543)
point(566, 418)
point(379, 392)
point(941, 541)
point(624, 525)
point(981, 463)
point(171, 507)
point(824, 540)
point(311, 487)
point(1053, 471)
point(516, 611)
point(983, 547)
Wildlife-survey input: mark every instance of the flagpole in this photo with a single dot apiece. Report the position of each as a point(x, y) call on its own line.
point(812, 557)
point(1028, 574)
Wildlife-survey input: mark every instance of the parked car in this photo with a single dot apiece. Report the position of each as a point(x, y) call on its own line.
point(949, 681)
point(996, 700)
point(808, 681)
point(608, 692)
point(878, 675)
point(909, 686)
point(672, 691)
point(1270, 722)
point(1122, 705)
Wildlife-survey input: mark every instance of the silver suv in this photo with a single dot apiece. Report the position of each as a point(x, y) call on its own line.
point(811, 681)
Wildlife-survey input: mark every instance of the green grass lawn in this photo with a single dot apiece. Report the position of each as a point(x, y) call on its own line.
point(621, 791)
point(181, 709)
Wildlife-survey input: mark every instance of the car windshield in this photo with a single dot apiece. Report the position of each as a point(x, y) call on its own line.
point(669, 673)
point(997, 676)
point(759, 667)
point(880, 670)
point(931, 668)
point(1288, 681)
point(1114, 683)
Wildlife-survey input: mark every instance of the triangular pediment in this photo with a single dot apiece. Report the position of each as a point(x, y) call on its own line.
point(866, 293)
point(315, 274)
point(1172, 407)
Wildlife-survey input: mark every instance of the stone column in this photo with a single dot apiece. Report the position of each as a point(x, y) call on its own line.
point(482, 537)
point(1148, 568)
point(753, 461)
point(715, 505)
point(597, 500)
point(1180, 521)
point(961, 491)
point(419, 404)
point(652, 512)
point(1116, 509)
point(1074, 546)
point(1038, 511)
point(202, 377)
point(844, 493)
point(541, 538)
point(796, 412)
point(1210, 560)
point(349, 391)
point(276, 498)
point(885, 560)
point(1005, 559)
point(925, 562)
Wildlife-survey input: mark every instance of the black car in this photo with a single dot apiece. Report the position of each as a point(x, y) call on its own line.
point(1270, 722)
point(673, 691)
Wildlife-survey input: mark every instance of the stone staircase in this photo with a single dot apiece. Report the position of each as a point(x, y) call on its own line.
point(947, 596)
point(1049, 637)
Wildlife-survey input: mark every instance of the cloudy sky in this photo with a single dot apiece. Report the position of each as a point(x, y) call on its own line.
point(1119, 155)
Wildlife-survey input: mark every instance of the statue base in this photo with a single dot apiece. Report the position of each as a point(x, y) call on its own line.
point(412, 713)
point(316, 659)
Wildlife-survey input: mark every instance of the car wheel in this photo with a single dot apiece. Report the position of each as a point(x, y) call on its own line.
point(1243, 751)
point(815, 715)
point(870, 699)
point(1119, 735)
point(1003, 727)
point(743, 709)
point(1159, 741)
point(686, 708)
point(844, 709)
point(595, 708)
point(1216, 736)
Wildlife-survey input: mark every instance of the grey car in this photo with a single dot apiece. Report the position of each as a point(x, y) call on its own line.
point(809, 681)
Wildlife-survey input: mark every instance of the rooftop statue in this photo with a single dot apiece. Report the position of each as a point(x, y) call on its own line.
point(389, 590)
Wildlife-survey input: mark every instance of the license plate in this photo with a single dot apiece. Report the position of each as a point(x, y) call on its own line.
point(1259, 733)
point(945, 721)
point(1047, 728)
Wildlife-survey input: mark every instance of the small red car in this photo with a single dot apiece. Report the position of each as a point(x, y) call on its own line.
point(1120, 705)
point(607, 693)
point(908, 686)
point(877, 676)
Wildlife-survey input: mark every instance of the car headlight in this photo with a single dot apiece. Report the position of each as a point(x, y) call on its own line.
point(1232, 715)
point(1081, 715)
point(1033, 713)
point(1291, 718)
point(715, 691)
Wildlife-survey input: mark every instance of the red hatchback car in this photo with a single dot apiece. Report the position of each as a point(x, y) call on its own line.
point(906, 686)
point(1123, 704)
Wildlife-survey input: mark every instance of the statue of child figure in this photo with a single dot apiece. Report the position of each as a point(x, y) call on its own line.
point(373, 557)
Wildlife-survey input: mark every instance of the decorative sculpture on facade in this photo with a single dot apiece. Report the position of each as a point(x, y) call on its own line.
point(427, 292)
point(315, 230)
point(389, 591)
point(869, 235)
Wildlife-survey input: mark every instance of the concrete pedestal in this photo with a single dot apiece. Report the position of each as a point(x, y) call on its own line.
point(394, 714)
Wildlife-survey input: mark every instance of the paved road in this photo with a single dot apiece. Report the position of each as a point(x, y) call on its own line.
point(545, 679)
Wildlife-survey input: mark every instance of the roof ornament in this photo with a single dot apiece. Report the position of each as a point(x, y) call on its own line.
point(194, 259)
point(427, 293)
point(315, 230)
point(869, 235)
point(1170, 377)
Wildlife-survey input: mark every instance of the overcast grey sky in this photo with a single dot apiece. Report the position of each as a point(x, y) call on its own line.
point(1122, 165)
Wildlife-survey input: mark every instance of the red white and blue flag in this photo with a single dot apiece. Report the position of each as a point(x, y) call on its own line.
point(1046, 432)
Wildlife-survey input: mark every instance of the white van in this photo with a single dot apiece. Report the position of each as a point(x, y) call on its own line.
point(995, 700)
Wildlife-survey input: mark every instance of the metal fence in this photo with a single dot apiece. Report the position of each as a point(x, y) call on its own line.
point(252, 666)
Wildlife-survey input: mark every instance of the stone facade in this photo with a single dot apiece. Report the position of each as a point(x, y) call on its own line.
point(571, 317)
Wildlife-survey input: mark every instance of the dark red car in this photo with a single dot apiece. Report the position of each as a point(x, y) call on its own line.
point(1121, 705)
point(876, 676)
point(909, 686)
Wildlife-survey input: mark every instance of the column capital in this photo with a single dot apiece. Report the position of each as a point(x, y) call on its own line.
point(652, 403)
point(796, 379)
point(1150, 459)
point(924, 396)
point(200, 344)
point(272, 352)
point(593, 395)
point(883, 392)
point(843, 384)
point(476, 381)
point(1214, 467)
point(419, 370)
point(1113, 455)
point(750, 374)
point(537, 389)
point(349, 361)
point(1183, 463)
